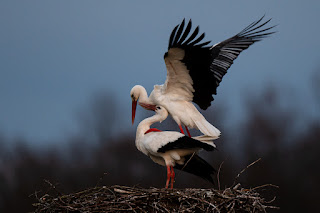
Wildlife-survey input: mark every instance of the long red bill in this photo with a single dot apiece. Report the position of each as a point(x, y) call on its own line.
point(134, 107)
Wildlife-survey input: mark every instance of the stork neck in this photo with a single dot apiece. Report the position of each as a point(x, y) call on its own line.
point(146, 123)
point(143, 95)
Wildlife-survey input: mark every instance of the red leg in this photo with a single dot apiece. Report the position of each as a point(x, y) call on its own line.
point(172, 177)
point(188, 131)
point(181, 130)
point(168, 176)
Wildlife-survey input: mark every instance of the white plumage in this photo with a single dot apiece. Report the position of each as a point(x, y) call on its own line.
point(171, 149)
point(182, 111)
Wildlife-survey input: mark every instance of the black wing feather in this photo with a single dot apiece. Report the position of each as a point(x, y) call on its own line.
point(227, 51)
point(208, 65)
point(173, 33)
point(194, 34)
point(186, 33)
point(185, 142)
point(180, 30)
point(197, 40)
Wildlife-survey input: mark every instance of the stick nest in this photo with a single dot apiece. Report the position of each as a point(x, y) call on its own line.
point(135, 199)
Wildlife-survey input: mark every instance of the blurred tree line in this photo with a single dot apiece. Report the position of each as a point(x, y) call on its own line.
point(289, 154)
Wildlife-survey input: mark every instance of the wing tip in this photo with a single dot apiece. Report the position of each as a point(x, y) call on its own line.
point(180, 36)
point(254, 31)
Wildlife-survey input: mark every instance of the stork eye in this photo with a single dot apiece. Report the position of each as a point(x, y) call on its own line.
point(158, 107)
point(132, 97)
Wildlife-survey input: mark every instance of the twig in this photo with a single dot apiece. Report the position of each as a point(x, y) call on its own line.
point(218, 175)
point(52, 186)
point(265, 185)
point(188, 161)
point(243, 170)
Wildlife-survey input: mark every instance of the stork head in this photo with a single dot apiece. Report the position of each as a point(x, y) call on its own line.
point(162, 112)
point(134, 93)
point(140, 92)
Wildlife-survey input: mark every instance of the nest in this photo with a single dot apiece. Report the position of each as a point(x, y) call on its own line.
point(135, 199)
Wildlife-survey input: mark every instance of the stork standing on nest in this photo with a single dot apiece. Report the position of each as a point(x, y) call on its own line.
point(194, 71)
point(174, 149)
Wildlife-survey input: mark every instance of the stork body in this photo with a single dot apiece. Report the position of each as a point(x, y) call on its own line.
point(183, 112)
point(173, 149)
point(194, 71)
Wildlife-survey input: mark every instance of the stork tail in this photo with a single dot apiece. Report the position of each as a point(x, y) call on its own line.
point(197, 166)
point(207, 129)
point(206, 139)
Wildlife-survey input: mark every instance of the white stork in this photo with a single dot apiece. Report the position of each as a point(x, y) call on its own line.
point(173, 149)
point(194, 71)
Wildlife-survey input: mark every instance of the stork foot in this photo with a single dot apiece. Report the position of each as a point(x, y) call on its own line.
point(168, 176)
point(172, 177)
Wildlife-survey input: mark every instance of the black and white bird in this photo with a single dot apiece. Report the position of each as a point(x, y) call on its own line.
point(174, 149)
point(194, 71)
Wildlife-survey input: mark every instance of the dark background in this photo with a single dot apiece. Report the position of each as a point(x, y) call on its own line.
point(92, 158)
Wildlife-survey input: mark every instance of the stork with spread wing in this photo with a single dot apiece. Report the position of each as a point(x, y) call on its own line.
point(194, 71)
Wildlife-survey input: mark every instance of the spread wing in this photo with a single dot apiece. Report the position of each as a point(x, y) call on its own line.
point(195, 70)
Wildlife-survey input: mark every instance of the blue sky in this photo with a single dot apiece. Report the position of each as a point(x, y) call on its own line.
point(55, 55)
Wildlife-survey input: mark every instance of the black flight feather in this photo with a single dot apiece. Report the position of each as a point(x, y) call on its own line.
point(196, 165)
point(186, 33)
point(208, 65)
point(185, 142)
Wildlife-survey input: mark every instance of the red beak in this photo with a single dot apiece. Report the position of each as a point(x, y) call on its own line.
point(134, 107)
